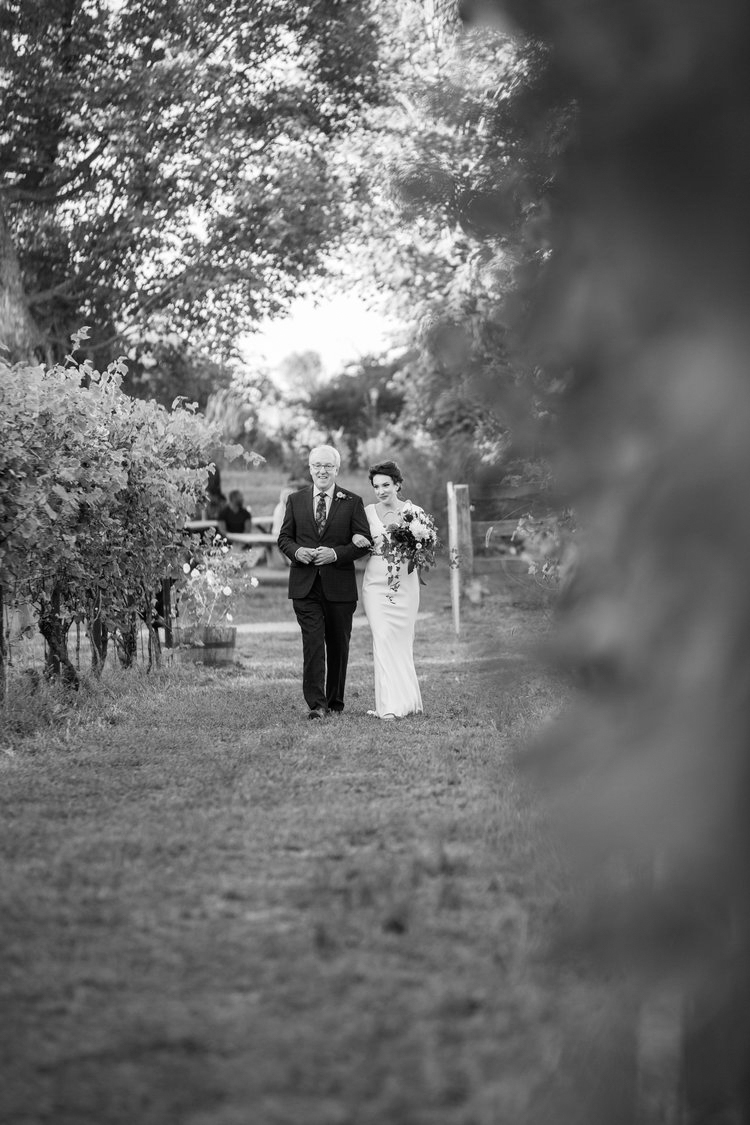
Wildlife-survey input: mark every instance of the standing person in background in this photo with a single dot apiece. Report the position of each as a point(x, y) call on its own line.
point(316, 536)
point(278, 514)
point(280, 508)
point(215, 498)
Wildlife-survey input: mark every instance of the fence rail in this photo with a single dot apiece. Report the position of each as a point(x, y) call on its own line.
point(493, 536)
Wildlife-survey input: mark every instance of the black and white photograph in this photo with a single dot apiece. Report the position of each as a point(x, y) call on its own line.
point(374, 562)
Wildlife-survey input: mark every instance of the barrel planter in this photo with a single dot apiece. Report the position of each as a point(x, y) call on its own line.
point(205, 644)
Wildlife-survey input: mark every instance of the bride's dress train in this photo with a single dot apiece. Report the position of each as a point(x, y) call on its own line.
point(392, 625)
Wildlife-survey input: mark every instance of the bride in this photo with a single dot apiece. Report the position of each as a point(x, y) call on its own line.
point(391, 616)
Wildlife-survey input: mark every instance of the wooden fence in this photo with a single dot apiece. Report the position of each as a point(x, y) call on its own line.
point(483, 546)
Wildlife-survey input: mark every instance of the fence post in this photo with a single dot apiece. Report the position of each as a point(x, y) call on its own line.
point(459, 546)
point(465, 549)
point(166, 608)
point(453, 557)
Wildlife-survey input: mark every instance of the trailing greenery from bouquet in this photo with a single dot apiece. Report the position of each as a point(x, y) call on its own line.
point(95, 487)
point(412, 542)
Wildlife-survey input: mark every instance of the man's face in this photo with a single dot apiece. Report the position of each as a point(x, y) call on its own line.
point(323, 468)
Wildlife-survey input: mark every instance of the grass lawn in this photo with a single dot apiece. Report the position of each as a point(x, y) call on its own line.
point(217, 913)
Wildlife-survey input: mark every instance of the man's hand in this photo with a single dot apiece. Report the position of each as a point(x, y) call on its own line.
point(324, 555)
point(306, 554)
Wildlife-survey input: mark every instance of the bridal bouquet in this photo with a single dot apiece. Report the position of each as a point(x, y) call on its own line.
point(413, 541)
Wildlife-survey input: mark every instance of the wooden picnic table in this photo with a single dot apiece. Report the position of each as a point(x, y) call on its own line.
point(263, 539)
point(249, 538)
point(201, 525)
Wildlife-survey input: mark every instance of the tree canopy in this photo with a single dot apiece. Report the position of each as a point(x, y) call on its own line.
point(359, 401)
point(461, 162)
point(183, 168)
point(170, 159)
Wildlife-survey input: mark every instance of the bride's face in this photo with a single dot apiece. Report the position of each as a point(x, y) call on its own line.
point(385, 487)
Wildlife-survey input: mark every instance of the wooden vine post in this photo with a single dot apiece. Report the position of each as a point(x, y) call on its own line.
point(166, 599)
point(3, 658)
point(460, 550)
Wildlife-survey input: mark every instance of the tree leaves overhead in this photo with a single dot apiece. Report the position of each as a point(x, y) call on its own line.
point(359, 401)
point(171, 156)
point(460, 196)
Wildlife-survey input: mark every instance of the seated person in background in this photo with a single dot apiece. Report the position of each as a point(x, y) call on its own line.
point(234, 516)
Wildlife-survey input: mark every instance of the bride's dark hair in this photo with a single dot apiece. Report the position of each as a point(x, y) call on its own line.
point(387, 469)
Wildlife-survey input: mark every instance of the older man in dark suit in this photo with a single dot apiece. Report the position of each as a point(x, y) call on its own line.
point(316, 536)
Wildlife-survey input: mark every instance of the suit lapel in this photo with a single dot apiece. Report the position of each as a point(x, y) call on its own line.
point(331, 510)
point(309, 508)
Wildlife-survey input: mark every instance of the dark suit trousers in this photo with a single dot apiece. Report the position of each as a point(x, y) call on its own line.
point(326, 631)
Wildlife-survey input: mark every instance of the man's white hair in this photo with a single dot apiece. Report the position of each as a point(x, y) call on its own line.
point(326, 449)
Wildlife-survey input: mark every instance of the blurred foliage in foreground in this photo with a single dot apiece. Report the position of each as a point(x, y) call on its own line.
point(644, 307)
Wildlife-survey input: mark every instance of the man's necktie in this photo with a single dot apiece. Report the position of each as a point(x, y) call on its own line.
point(320, 512)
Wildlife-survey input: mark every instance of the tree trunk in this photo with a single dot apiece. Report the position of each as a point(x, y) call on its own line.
point(55, 632)
point(98, 637)
point(126, 640)
point(154, 647)
point(151, 623)
point(18, 331)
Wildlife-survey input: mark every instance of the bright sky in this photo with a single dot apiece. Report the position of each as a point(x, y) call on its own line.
point(340, 329)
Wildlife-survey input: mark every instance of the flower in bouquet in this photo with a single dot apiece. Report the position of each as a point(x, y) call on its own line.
point(412, 542)
point(212, 578)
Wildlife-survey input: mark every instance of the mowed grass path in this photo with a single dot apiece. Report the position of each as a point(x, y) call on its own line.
point(217, 913)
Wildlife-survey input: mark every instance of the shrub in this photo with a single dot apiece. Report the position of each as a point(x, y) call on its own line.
point(95, 487)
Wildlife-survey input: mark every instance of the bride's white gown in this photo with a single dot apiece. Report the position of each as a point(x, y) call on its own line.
point(392, 626)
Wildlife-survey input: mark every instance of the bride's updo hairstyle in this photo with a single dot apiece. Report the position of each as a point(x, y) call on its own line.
point(387, 469)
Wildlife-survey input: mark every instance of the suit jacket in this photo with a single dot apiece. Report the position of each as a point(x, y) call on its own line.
point(298, 529)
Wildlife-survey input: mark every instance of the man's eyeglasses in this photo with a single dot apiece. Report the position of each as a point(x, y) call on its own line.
point(318, 468)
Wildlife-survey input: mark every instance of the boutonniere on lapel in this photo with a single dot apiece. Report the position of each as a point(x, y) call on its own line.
point(341, 496)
